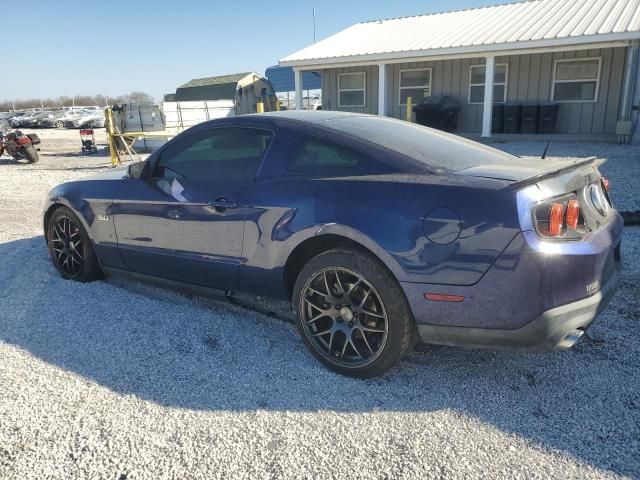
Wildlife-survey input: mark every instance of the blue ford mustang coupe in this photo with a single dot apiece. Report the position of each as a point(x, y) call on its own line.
point(380, 232)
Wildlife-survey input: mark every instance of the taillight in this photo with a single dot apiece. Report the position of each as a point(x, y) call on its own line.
point(556, 219)
point(559, 218)
point(605, 183)
point(573, 214)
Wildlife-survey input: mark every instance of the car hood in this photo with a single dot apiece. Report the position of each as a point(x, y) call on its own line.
point(523, 171)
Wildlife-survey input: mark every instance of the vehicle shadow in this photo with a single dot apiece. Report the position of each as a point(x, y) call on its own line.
point(102, 152)
point(201, 354)
point(11, 161)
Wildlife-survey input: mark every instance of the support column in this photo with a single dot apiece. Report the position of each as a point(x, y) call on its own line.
point(297, 80)
point(488, 96)
point(382, 89)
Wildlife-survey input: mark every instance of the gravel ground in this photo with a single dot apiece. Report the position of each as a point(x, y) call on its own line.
point(116, 380)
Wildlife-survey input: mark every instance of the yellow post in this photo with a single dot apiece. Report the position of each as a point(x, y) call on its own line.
point(260, 106)
point(113, 152)
point(409, 109)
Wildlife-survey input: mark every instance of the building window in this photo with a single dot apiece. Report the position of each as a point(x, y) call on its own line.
point(351, 89)
point(415, 83)
point(576, 80)
point(476, 83)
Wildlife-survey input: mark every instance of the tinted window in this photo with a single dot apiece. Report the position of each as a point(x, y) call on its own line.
point(315, 155)
point(431, 147)
point(221, 155)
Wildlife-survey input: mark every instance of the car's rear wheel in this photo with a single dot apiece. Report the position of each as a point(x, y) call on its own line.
point(70, 248)
point(351, 313)
point(59, 124)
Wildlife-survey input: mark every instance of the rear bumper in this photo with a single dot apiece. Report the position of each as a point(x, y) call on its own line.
point(553, 329)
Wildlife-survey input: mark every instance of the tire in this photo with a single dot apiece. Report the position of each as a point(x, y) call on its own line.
point(350, 331)
point(31, 153)
point(59, 124)
point(70, 247)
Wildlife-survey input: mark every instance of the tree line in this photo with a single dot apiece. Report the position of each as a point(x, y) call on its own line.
point(80, 100)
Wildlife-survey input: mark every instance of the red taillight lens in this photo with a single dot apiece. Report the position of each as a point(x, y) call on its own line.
point(573, 214)
point(556, 219)
point(606, 183)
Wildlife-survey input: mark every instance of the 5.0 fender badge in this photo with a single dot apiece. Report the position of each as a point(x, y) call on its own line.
point(103, 218)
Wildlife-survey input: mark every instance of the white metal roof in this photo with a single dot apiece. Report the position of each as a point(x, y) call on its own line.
point(523, 25)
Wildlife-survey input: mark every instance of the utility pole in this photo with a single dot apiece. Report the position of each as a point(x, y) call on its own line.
point(314, 24)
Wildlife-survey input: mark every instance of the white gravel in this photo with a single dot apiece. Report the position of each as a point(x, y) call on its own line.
point(116, 380)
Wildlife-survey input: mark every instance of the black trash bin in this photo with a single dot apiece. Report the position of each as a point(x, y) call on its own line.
point(497, 118)
point(512, 118)
point(548, 118)
point(439, 112)
point(529, 118)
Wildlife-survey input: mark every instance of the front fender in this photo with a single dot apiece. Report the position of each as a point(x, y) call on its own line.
point(90, 201)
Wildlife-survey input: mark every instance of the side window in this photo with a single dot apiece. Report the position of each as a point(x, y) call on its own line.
point(221, 155)
point(321, 156)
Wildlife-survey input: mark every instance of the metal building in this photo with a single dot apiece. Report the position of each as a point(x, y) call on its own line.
point(243, 88)
point(581, 55)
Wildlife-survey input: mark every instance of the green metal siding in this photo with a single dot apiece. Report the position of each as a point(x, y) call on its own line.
point(206, 92)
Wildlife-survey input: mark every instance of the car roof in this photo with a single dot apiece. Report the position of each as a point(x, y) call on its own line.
point(309, 116)
point(431, 147)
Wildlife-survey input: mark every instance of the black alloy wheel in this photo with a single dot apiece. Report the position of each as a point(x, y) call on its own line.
point(67, 246)
point(352, 313)
point(344, 317)
point(70, 248)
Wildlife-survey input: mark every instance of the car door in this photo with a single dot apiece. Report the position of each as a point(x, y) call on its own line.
point(185, 220)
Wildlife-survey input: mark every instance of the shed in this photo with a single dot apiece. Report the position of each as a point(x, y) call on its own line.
point(242, 88)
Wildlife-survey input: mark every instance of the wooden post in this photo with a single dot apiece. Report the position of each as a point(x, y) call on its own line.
point(409, 109)
point(113, 152)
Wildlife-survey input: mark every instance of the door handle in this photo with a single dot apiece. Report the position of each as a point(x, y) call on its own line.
point(222, 203)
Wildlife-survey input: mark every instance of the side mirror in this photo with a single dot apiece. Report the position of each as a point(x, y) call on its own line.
point(138, 169)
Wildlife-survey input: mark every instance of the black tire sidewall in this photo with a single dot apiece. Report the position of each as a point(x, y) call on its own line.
point(90, 270)
point(400, 319)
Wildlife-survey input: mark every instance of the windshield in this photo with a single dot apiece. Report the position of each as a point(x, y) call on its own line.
point(431, 147)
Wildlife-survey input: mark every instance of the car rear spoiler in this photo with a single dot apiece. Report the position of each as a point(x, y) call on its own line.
point(552, 173)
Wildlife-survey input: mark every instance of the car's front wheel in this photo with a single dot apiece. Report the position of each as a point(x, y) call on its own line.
point(70, 248)
point(351, 313)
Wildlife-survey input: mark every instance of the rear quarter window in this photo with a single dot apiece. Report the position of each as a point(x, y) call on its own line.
point(434, 148)
point(315, 155)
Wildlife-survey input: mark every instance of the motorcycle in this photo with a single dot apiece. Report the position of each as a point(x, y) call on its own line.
point(20, 146)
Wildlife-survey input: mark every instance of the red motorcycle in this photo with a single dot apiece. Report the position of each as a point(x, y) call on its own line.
point(20, 146)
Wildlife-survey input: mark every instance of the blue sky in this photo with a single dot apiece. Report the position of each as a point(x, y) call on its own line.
point(117, 46)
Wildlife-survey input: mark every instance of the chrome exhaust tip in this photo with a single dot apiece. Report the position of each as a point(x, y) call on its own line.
point(570, 339)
